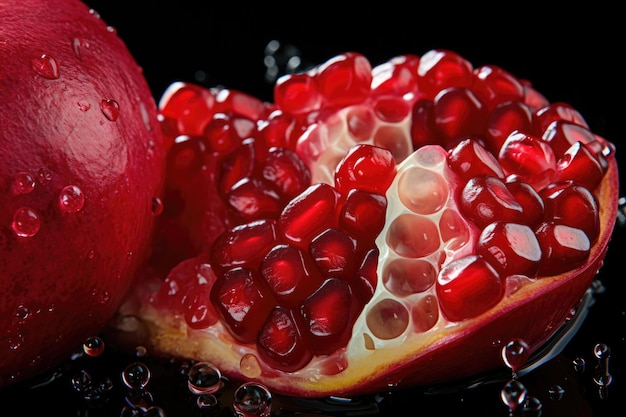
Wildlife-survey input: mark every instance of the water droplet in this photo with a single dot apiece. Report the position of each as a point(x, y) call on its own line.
point(110, 109)
point(76, 46)
point(24, 183)
point(603, 380)
point(46, 66)
point(601, 351)
point(81, 381)
point(71, 199)
point(157, 206)
point(22, 313)
point(532, 407)
point(515, 354)
point(556, 392)
point(513, 394)
point(145, 116)
point(136, 375)
point(579, 364)
point(26, 222)
point(93, 346)
point(597, 287)
point(139, 400)
point(252, 400)
point(154, 411)
point(141, 351)
point(44, 175)
point(206, 401)
point(204, 378)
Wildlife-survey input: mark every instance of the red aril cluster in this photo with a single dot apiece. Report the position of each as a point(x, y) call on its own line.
point(367, 206)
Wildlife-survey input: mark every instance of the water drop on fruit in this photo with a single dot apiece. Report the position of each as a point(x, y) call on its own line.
point(252, 400)
point(26, 222)
point(46, 66)
point(513, 394)
point(204, 378)
point(93, 346)
point(515, 354)
point(250, 366)
point(71, 199)
point(157, 206)
point(24, 183)
point(136, 375)
point(110, 109)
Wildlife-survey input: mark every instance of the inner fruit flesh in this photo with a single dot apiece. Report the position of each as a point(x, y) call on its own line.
point(367, 206)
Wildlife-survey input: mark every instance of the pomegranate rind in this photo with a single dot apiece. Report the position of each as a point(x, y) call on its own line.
point(454, 352)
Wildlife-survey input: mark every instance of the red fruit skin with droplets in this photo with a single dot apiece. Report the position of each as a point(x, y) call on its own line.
point(75, 110)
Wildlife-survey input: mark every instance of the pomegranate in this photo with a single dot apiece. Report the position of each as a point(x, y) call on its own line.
point(372, 227)
point(81, 172)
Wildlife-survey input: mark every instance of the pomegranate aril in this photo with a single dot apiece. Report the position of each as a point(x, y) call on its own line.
point(550, 113)
point(423, 128)
point(237, 165)
point(290, 274)
point(363, 215)
point(242, 302)
point(244, 245)
point(506, 118)
point(532, 204)
point(310, 213)
point(512, 249)
point(279, 343)
point(198, 309)
point(439, 69)
point(564, 248)
point(469, 158)
point(486, 199)
point(185, 158)
point(459, 114)
point(494, 86)
point(561, 135)
point(189, 107)
point(253, 199)
point(344, 79)
point(572, 205)
point(297, 93)
point(327, 316)
point(365, 167)
point(467, 287)
point(365, 280)
point(333, 252)
point(241, 104)
point(397, 77)
point(182, 278)
point(580, 165)
point(284, 169)
point(529, 158)
point(224, 133)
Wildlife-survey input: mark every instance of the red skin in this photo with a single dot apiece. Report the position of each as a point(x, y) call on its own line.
point(64, 283)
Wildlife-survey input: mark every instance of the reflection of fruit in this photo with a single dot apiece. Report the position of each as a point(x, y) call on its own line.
point(81, 163)
point(373, 227)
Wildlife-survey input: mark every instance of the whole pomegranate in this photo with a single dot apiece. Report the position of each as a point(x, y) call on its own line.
point(81, 171)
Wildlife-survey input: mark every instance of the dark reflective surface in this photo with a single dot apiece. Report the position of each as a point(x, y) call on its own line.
point(567, 58)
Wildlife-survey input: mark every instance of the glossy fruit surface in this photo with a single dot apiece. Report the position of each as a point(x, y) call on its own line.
point(420, 218)
point(81, 171)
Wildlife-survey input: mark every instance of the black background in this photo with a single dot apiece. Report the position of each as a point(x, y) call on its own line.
point(570, 55)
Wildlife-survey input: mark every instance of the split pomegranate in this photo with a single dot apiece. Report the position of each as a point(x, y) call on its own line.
point(373, 227)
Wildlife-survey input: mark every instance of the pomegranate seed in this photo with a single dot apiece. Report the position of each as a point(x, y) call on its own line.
point(284, 169)
point(580, 165)
point(297, 93)
point(333, 252)
point(486, 199)
point(221, 135)
point(423, 128)
point(392, 109)
point(562, 135)
point(530, 200)
point(564, 248)
point(494, 86)
point(189, 105)
point(572, 205)
point(455, 232)
point(236, 102)
point(556, 111)
point(185, 159)
point(506, 118)
point(309, 214)
point(326, 316)
point(244, 245)
point(198, 310)
point(366, 279)
point(243, 303)
point(440, 69)
point(363, 215)
point(290, 274)
point(510, 248)
point(344, 79)
point(253, 199)
point(470, 159)
point(367, 168)
point(530, 158)
point(468, 287)
point(397, 77)
point(458, 114)
point(279, 343)
point(238, 165)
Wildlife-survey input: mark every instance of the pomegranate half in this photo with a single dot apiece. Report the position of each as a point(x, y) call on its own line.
point(373, 227)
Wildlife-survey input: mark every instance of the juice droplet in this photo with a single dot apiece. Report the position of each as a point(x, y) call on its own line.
point(71, 199)
point(157, 206)
point(204, 378)
point(24, 183)
point(26, 222)
point(250, 366)
point(252, 400)
point(136, 375)
point(46, 66)
point(93, 346)
point(110, 109)
point(515, 354)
